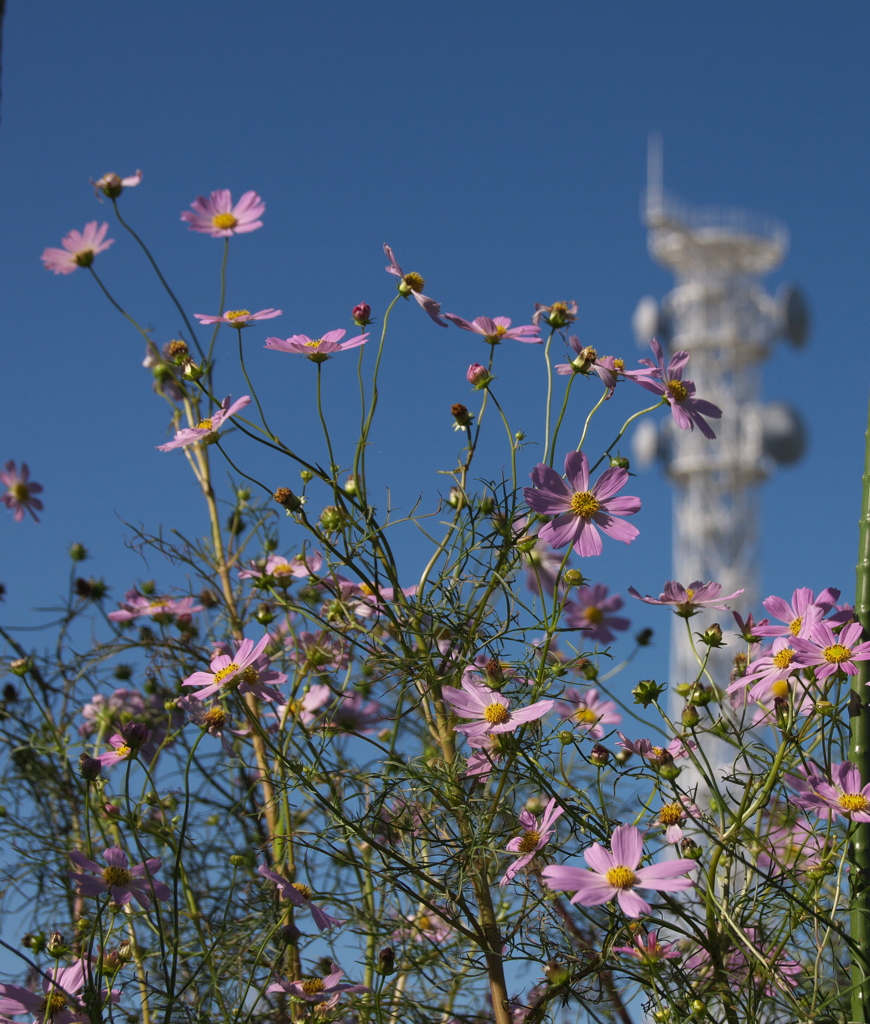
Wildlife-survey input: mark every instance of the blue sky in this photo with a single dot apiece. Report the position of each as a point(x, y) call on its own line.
point(499, 147)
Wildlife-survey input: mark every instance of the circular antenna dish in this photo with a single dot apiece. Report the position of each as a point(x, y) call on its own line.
point(794, 314)
point(784, 437)
point(646, 320)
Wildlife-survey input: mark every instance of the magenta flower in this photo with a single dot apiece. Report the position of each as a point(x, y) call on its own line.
point(615, 874)
point(536, 835)
point(827, 653)
point(769, 675)
point(581, 511)
point(132, 738)
point(216, 216)
point(317, 990)
point(649, 950)
point(57, 1003)
point(843, 795)
point(163, 609)
point(674, 751)
point(300, 896)
point(353, 713)
point(688, 412)
point(318, 350)
point(494, 330)
point(122, 882)
point(246, 671)
point(588, 711)
point(592, 613)
point(206, 431)
point(238, 318)
point(489, 709)
point(79, 249)
point(586, 360)
point(413, 284)
point(20, 491)
point(688, 601)
point(799, 615)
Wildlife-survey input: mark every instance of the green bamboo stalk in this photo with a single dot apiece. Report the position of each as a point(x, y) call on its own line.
point(859, 754)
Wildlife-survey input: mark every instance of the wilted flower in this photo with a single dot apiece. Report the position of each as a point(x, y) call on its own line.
point(79, 249)
point(560, 314)
point(413, 284)
point(300, 896)
point(688, 601)
point(216, 216)
point(112, 185)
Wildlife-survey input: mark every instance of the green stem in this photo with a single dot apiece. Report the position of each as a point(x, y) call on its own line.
point(333, 469)
point(549, 395)
point(223, 297)
point(859, 754)
point(251, 386)
point(148, 341)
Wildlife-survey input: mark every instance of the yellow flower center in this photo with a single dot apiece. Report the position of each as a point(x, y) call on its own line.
point(496, 714)
point(500, 331)
point(559, 309)
point(678, 390)
point(424, 923)
point(237, 314)
point(223, 673)
point(585, 716)
point(780, 689)
point(853, 802)
point(224, 221)
point(311, 986)
point(215, 718)
point(794, 627)
point(314, 343)
point(204, 424)
point(250, 676)
point(303, 890)
point(113, 875)
point(658, 751)
point(19, 492)
point(529, 842)
point(584, 504)
point(53, 1003)
point(593, 615)
point(621, 877)
point(690, 594)
point(670, 814)
point(123, 750)
point(783, 658)
point(282, 569)
point(618, 364)
point(413, 282)
point(836, 654)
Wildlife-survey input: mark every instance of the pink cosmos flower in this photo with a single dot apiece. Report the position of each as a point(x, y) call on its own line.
point(112, 185)
point(216, 216)
point(318, 350)
point(353, 713)
point(560, 314)
point(298, 567)
point(413, 284)
point(79, 249)
point(791, 846)
point(319, 652)
point(316, 697)
point(826, 653)
point(122, 882)
point(246, 671)
point(57, 1002)
point(843, 795)
point(592, 613)
point(616, 874)
point(216, 721)
point(206, 431)
point(799, 615)
point(238, 318)
point(483, 760)
point(688, 601)
point(489, 708)
point(20, 491)
point(687, 411)
point(674, 751)
point(588, 711)
point(426, 926)
point(536, 835)
point(773, 676)
point(494, 330)
point(300, 896)
point(649, 950)
point(586, 360)
point(317, 990)
point(671, 816)
point(164, 609)
point(740, 968)
point(581, 511)
point(133, 737)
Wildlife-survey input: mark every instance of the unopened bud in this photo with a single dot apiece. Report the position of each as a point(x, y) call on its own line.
point(55, 946)
point(285, 497)
point(698, 1006)
point(307, 475)
point(265, 614)
point(91, 589)
point(689, 848)
point(599, 756)
point(825, 707)
point(478, 375)
point(209, 598)
point(462, 416)
point(622, 756)
point(332, 519)
point(20, 666)
point(565, 737)
point(456, 499)
point(350, 486)
point(619, 462)
point(237, 859)
point(90, 768)
point(110, 185)
point(669, 771)
point(78, 552)
point(588, 669)
point(487, 504)
point(647, 692)
point(690, 716)
point(556, 973)
point(573, 578)
point(386, 961)
point(192, 371)
point(34, 941)
point(644, 638)
point(712, 636)
point(362, 314)
point(290, 934)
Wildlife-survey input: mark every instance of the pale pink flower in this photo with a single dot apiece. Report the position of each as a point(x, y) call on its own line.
point(536, 835)
point(300, 896)
point(671, 816)
point(316, 697)
point(164, 609)
point(238, 318)
point(580, 510)
point(560, 314)
point(827, 653)
point(592, 613)
point(298, 567)
point(20, 491)
point(317, 990)
point(318, 350)
point(495, 330)
point(688, 601)
point(426, 926)
point(79, 249)
point(588, 712)
point(57, 1003)
point(216, 216)
point(616, 874)
point(649, 950)
point(215, 720)
point(206, 431)
point(489, 709)
point(652, 752)
point(799, 615)
point(413, 284)
point(247, 671)
point(121, 881)
point(586, 360)
point(843, 795)
point(132, 738)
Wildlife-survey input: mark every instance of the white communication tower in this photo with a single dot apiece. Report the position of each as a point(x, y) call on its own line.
point(720, 313)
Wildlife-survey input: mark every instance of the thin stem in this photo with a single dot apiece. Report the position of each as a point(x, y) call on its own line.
point(333, 469)
point(549, 394)
point(223, 298)
point(148, 341)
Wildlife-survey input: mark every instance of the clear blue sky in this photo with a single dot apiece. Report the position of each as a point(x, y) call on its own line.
point(499, 147)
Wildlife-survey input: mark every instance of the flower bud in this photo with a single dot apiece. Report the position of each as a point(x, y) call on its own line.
point(599, 756)
point(478, 375)
point(265, 614)
point(307, 476)
point(689, 848)
point(556, 973)
point(622, 756)
point(209, 598)
point(573, 578)
point(698, 1006)
point(690, 717)
point(825, 707)
point(456, 499)
point(111, 810)
point(669, 771)
point(565, 737)
point(647, 692)
point(237, 859)
point(90, 768)
point(290, 934)
point(34, 941)
point(192, 371)
point(350, 487)
point(585, 358)
point(285, 497)
point(712, 636)
point(20, 666)
point(136, 735)
point(110, 185)
point(332, 519)
point(487, 505)
point(362, 314)
point(78, 552)
point(588, 669)
point(644, 638)
point(91, 589)
point(462, 416)
point(620, 462)
point(386, 961)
